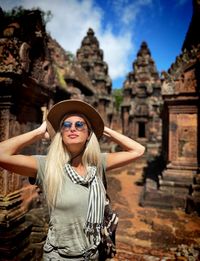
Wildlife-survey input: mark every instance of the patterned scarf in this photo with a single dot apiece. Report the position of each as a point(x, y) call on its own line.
point(96, 202)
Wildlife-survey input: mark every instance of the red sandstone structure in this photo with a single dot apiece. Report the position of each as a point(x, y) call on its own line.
point(35, 73)
point(142, 100)
point(90, 57)
point(26, 85)
point(179, 182)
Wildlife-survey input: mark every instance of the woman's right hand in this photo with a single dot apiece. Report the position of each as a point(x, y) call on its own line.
point(43, 130)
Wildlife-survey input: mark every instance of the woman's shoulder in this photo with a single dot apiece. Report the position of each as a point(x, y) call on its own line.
point(103, 155)
point(41, 161)
point(40, 157)
point(103, 160)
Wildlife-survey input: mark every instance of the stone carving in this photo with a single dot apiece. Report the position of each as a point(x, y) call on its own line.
point(187, 82)
point(180, 177)
point(12, 30)
point(4, 123)
point(20, 102)
point(24, 56)
point(173, 141)
point(175, 81)
point(187, 137)
point(183, 137)
point(10, 60)
point(90, 56)
point(141, 110)
point(74, 73)
point(142, 97)
point(168, 87)
point(14, 126)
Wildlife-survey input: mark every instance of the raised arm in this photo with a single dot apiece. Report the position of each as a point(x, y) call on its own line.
point(21, 164)
point(131, 149)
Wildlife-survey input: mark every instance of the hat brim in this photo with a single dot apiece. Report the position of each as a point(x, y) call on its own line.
point(60, 109)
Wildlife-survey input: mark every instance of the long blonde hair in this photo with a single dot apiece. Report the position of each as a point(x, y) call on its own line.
point(56, 158)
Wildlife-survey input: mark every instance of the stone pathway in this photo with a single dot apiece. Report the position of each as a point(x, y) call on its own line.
point(150, 233)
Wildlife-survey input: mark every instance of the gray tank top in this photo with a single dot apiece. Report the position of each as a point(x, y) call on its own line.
point(68, 218)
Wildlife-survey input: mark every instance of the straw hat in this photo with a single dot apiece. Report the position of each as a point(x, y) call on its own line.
point(60, 109)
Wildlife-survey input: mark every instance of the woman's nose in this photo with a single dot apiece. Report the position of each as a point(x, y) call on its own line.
point(72, 128)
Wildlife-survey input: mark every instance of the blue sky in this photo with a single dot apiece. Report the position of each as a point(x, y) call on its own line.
point(120, 26)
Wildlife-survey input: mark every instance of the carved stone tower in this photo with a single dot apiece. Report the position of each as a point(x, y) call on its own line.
point(181, 102)
point(90, 56)
point(142, 102)
point(179, 183)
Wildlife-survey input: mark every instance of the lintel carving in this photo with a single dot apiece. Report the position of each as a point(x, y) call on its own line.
point(181, 77)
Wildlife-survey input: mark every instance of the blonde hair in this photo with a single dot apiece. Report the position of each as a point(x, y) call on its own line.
point(56, 158)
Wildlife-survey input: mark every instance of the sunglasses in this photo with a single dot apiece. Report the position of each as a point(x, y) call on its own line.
point(79, 125)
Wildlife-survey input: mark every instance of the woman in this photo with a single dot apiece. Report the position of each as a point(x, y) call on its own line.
point(71, 175)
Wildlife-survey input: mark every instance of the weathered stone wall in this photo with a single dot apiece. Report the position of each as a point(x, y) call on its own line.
point(25, 87)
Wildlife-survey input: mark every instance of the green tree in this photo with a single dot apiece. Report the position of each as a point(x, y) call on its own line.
point(118, 97)
point(20, 11)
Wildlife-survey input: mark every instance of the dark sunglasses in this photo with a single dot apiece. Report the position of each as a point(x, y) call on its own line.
point(79, 125)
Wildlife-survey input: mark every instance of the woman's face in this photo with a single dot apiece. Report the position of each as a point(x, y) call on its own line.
point(74, 131)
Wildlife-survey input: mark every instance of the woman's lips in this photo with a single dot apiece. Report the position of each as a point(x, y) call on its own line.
point(72, 136)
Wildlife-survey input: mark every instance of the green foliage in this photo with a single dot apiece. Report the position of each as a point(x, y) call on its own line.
point(60, 78)
point(20, 11)
point(118, 96)
point(47, 16)
point(70, 56)
point(15, 12)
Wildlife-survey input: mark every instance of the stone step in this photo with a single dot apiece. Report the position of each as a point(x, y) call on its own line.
point(177, 175)
point(162, 200)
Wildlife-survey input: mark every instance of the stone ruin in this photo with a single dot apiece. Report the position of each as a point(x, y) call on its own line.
point(178, 180)
point(162, 113)
point(26, 83)
point(90, 57)
point(141, 106)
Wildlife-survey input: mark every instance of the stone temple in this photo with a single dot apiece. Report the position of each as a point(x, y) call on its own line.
point(160, 111)
point(142, 103)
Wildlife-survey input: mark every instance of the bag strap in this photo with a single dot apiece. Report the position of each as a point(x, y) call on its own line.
point(104, 179)
point(103, 159)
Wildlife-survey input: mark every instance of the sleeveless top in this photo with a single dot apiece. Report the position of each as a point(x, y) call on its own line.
point(67, 219)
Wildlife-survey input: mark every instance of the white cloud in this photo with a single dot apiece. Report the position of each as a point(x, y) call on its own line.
point(117, 51)
point(128, 11)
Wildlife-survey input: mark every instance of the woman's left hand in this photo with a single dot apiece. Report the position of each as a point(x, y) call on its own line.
point(130, 149)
